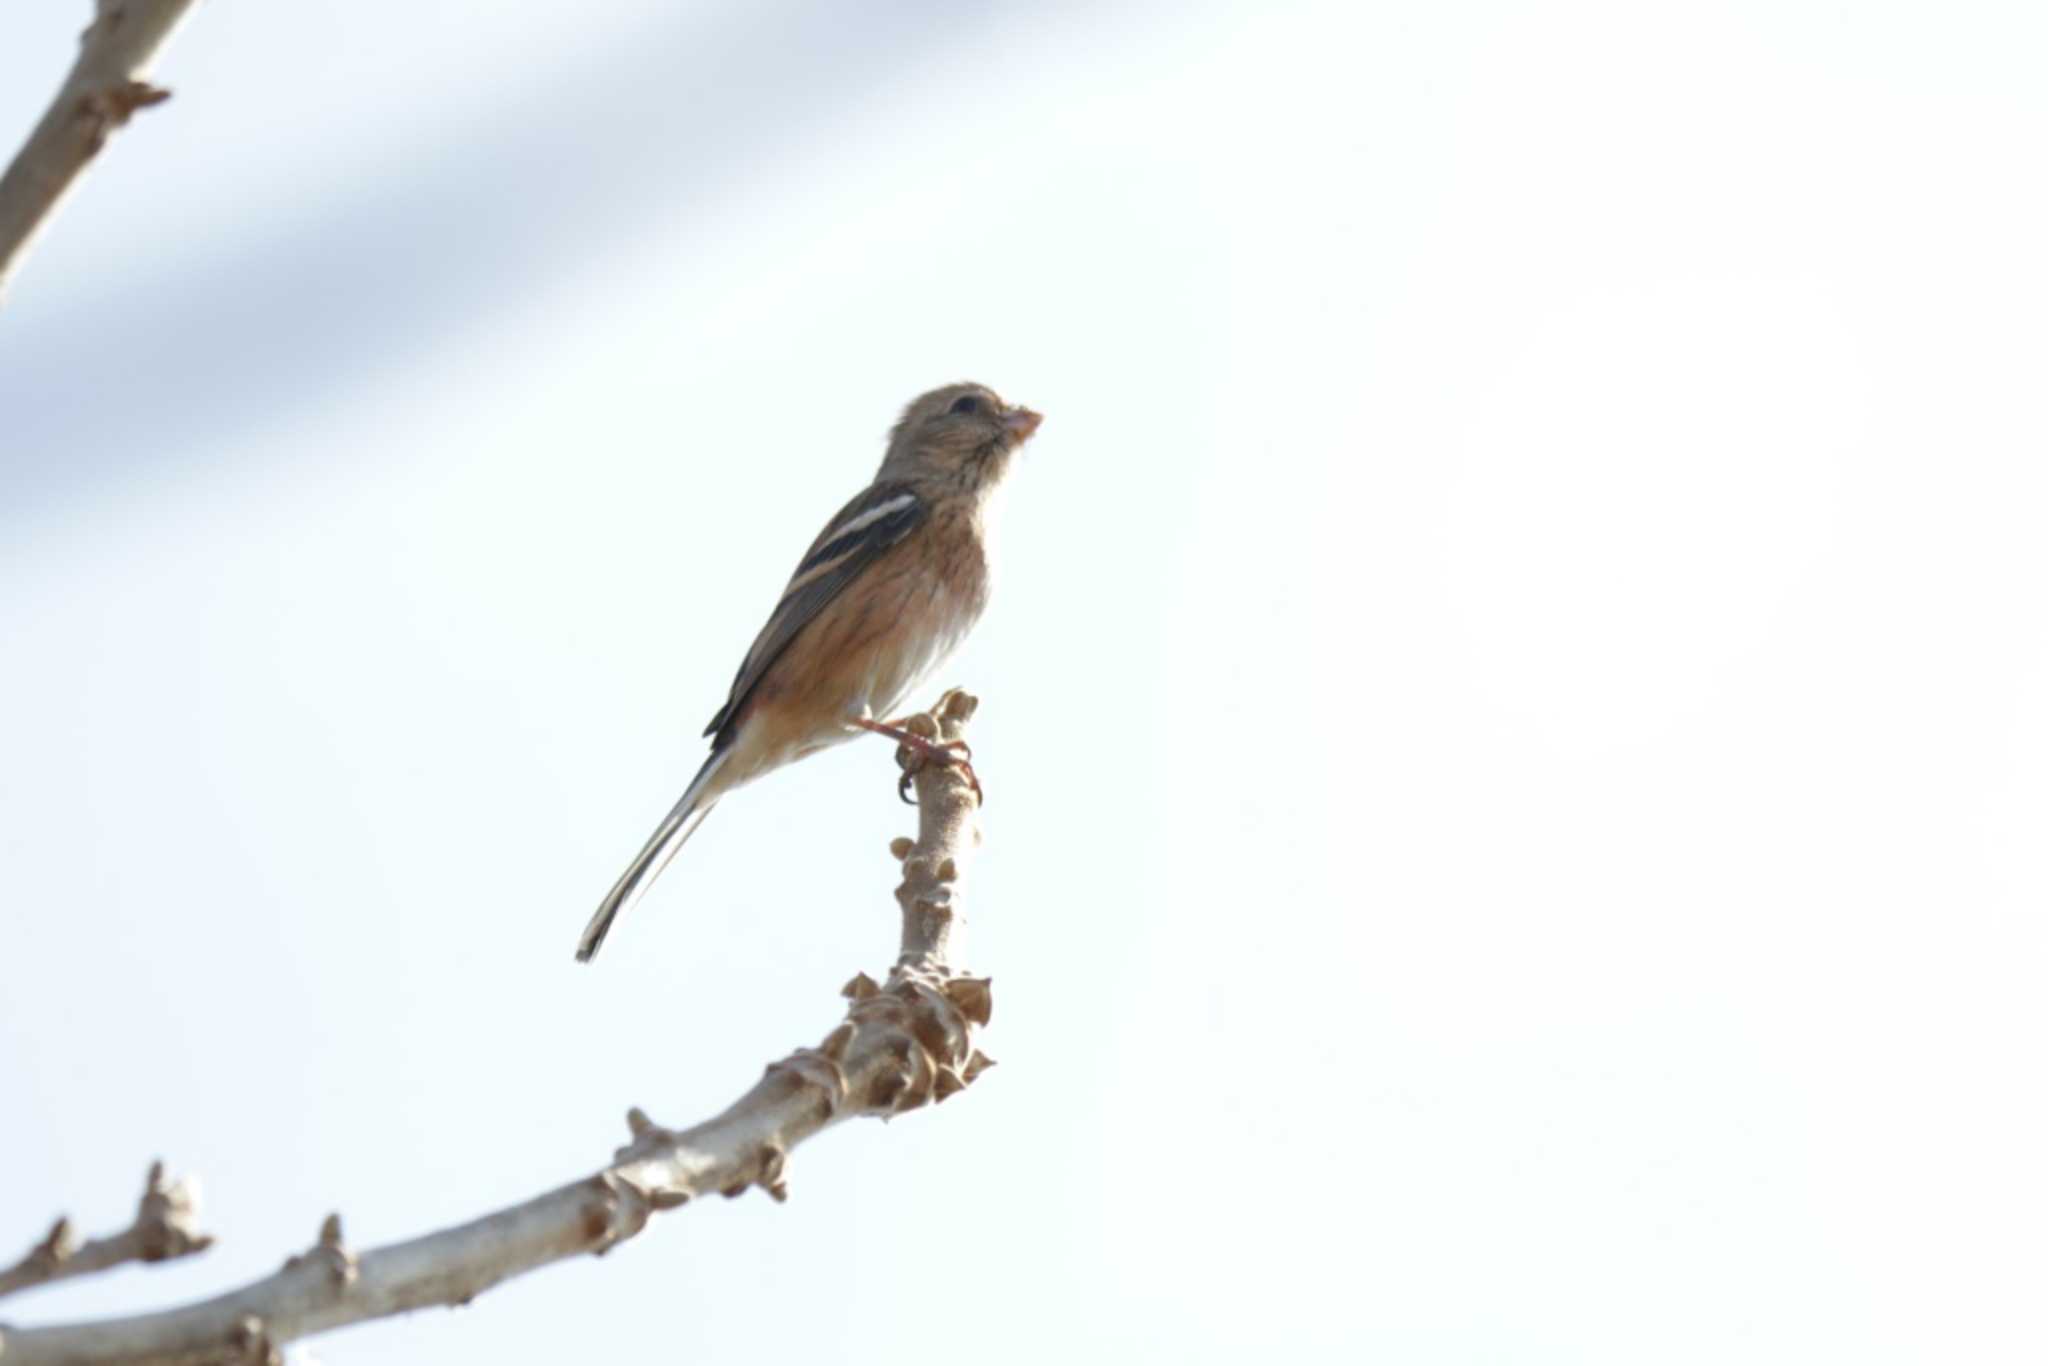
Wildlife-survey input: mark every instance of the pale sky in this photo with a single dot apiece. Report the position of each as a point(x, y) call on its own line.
point(1515, 714)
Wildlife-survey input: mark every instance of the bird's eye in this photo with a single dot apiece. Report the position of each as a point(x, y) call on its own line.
point(966, 406)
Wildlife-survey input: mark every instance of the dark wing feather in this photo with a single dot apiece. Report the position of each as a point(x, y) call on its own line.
point(877, 518)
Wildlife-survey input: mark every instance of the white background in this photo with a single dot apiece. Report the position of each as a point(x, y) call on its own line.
point(1515, 715)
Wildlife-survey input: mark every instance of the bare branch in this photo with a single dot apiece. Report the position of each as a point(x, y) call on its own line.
point(904, 1042)
point(104, 89)
point(166, 1226)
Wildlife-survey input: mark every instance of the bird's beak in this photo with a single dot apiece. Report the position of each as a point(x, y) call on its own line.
point(1020, 423)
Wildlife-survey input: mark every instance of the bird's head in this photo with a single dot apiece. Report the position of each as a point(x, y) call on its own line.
point(962, 433)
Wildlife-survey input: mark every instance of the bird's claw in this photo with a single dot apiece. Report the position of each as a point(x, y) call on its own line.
point(921, 748)
point(925, 749)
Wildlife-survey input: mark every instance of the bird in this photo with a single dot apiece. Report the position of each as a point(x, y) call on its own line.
point(888, 590)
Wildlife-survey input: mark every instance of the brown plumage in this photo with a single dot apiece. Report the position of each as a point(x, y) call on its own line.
point(891, 586)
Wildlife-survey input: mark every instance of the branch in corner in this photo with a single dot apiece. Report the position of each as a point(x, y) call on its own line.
point(102, 91)
point(904, 1042)
point(165, 1227)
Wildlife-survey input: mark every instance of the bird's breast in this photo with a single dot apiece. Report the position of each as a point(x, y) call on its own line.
point(940, 591)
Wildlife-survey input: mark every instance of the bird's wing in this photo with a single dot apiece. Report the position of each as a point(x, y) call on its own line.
point(877, 518)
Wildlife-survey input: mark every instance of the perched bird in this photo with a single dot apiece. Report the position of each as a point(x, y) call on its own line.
point(892, 584)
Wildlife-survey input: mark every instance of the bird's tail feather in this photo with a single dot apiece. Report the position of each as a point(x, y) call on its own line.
point(668, 837)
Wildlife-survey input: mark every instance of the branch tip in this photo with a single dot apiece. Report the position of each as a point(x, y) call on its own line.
point(163, 1228)
point(958, 705)
point(167, 1216)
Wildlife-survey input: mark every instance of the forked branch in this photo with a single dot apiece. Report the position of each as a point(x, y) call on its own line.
point(903, 1042)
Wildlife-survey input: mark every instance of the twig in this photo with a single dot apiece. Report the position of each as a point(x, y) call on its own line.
point(904, 1042)
point(104, 89)
point(166, 1226)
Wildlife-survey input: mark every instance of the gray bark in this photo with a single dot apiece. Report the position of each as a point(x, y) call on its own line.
point(904, 1042)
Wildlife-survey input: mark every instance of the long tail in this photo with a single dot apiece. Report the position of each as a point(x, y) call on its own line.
point(682, 822)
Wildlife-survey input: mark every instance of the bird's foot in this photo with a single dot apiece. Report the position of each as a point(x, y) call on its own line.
point(925, 748)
